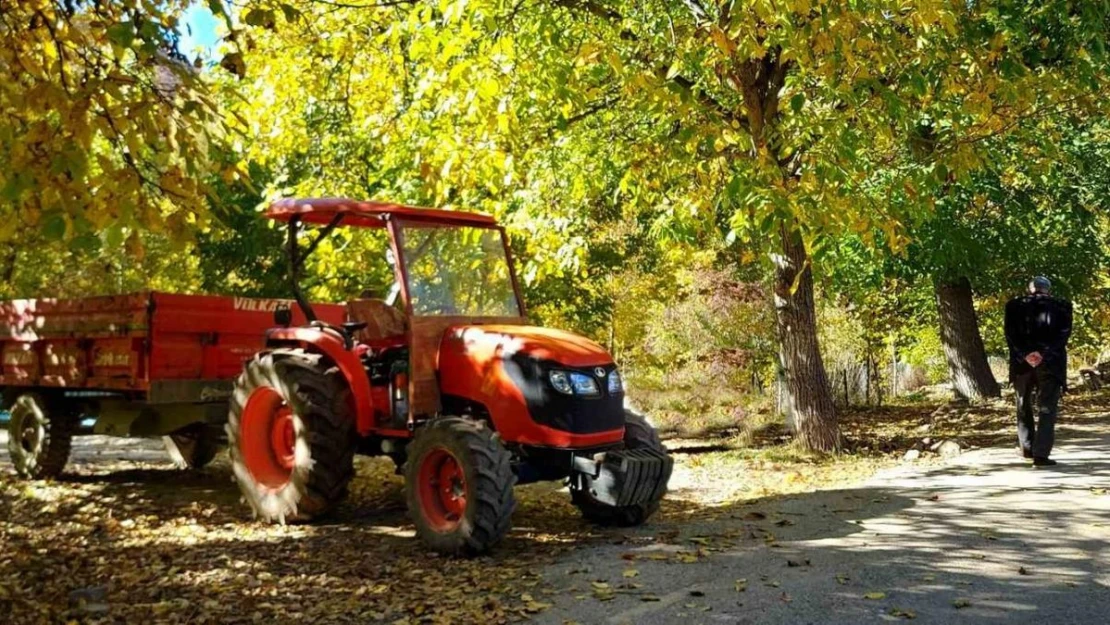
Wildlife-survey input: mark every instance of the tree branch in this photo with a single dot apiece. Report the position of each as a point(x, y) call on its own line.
point(373, 5)
point(590, 6)
point(699, 13)
point(660, 70)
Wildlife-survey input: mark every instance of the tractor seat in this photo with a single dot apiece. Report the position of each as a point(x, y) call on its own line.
point(384, 323)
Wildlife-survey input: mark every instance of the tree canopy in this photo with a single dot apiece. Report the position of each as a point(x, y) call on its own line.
point(839, 158)
point(108, 130)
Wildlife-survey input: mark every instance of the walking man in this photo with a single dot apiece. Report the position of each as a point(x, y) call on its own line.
point(1037, 330)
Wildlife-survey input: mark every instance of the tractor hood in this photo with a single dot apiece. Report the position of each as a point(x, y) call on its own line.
point(505, 370)
point(547, 344)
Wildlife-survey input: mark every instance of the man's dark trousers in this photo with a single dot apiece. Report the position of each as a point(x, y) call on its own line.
point(1037, 389)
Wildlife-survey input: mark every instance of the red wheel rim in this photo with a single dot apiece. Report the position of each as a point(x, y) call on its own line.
point(442, 490)
point(268, 438)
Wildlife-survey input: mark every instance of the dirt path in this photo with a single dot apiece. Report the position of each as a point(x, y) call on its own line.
point(985, 532)
point(984, 538)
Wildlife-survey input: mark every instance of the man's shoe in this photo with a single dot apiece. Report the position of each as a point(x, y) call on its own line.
point(1044, 462)
point(1025, 453)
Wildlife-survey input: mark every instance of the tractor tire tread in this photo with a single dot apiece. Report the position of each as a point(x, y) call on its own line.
point(320, 393)
point(62, 419)
point(492, 481)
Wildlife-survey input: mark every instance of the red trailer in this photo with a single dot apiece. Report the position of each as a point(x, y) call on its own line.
point(143, 364)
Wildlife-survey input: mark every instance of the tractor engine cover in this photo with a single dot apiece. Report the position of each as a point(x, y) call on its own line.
point(624, 477)
point(506, 370)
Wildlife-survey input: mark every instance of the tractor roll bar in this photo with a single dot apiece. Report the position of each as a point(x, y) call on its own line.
point(296, 259)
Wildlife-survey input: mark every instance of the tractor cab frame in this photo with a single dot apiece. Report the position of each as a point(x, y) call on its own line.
point(422, 331)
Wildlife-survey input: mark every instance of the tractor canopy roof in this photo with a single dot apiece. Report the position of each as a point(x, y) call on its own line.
point(368, 214)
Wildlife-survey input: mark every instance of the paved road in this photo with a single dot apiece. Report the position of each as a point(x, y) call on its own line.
point(984, 538)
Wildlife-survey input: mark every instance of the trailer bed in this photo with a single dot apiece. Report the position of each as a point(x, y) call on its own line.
point(161, 347)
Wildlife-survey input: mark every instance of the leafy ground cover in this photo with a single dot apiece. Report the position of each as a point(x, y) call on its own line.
point(123, 537)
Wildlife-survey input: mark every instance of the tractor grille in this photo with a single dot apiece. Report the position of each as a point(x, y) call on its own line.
point(569, 413)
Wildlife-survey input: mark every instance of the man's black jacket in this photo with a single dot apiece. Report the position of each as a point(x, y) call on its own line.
point(1038, 323)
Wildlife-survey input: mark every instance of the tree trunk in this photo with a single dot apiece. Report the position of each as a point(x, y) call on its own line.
point(807, 391)
point(963, 345)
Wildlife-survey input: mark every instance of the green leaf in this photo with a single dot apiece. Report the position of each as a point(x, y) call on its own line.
point(260, 17)
point(54, 227)
point(149, 31)
point(216, 7)
point(112, 236)
point(291, 13)
point(797, 102)
point(233, 63)
point(88, 243)
point(122, 34)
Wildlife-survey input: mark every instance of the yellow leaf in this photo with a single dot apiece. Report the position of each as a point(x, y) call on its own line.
point(536, 606)
point(902, 613)
point(875, 595)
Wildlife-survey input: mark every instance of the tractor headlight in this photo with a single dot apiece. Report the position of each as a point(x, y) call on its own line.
point(561, 382)
point(584, 385)
point(616, 385)
point(573, 383)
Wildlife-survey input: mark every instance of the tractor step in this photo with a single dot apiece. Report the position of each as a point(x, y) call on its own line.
point(625, 477)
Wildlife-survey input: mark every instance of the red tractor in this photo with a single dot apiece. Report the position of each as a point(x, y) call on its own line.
point(444, 376)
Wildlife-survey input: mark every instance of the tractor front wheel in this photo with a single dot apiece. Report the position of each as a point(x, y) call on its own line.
point(39, 436)
point(638, 434)
point(459, 486)
point(291, 435)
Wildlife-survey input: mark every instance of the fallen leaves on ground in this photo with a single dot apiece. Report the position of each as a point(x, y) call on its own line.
point(134, 541)
point(140, 542)
point(903, 613)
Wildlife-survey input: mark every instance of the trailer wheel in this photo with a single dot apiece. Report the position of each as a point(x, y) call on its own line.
point(39, 437)
point(638, 434)
point(459, 486)
point(291, 435)
point(192, 447)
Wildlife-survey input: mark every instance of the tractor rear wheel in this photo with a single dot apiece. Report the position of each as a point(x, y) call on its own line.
point(638, 434)
point(40, 435)
point(459, 486)
point(291, 435)
point(192, 447)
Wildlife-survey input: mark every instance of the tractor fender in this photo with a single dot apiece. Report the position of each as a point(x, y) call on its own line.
point(331, 345)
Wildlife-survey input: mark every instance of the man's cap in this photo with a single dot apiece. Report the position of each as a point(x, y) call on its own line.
point(1040, 284)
